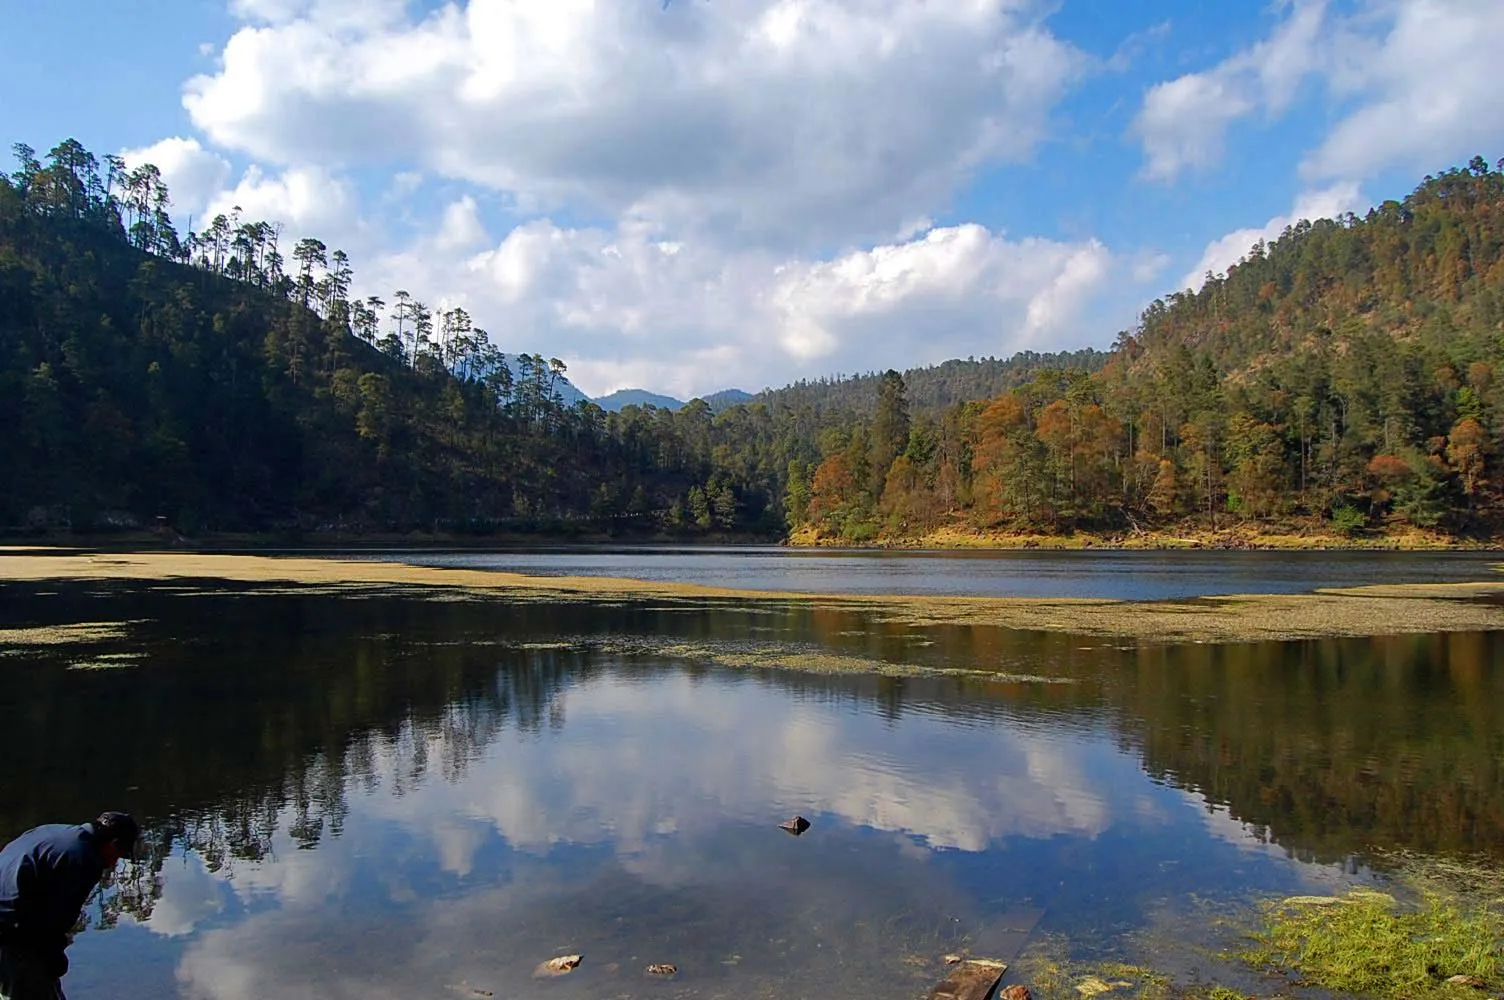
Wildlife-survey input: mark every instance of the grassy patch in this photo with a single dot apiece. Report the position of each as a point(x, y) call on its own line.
point(1367, 943)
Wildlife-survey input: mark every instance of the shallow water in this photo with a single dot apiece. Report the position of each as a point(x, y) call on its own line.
point(1123, 575)
point(385, 797)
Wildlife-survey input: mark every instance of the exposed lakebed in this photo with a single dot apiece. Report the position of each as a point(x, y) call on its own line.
point(377, 793)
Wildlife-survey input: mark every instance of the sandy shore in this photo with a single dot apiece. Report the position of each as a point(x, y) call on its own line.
point(1355, 611)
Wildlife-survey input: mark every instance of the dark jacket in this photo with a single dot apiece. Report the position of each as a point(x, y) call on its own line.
point(46, 876)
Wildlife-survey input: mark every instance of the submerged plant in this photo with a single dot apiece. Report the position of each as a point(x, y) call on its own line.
point(1367, 943)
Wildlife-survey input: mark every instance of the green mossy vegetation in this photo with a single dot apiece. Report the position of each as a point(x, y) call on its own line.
point(1367, 943)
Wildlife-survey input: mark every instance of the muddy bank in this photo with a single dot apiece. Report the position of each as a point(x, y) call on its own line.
point(1356, 611)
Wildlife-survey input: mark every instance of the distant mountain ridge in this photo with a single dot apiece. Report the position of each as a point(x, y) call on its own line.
point(619, 400)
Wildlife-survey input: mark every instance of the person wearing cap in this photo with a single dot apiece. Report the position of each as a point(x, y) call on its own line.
point(46, 876)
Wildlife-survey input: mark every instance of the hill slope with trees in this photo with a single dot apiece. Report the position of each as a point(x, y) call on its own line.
point(1345, 377)
point(210, 384)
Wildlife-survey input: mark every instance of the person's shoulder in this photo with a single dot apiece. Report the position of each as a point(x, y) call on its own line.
point(50, 838)
point(60, 833)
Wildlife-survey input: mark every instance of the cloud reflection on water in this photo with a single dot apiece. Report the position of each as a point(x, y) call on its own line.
point(652, 801)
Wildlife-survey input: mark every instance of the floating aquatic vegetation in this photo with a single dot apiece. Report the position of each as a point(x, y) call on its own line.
point(782, 656)
point(65, 635)
point(108, 661)
point(1052, 973)
point(1368, 943)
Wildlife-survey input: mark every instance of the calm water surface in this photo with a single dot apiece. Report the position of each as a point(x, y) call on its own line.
point(1123, 575)
point(389, 797)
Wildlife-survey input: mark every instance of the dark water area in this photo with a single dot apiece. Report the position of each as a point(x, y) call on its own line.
point(388, 796)
point(1121, 575)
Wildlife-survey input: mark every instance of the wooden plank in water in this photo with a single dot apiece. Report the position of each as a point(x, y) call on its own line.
point(974, 979)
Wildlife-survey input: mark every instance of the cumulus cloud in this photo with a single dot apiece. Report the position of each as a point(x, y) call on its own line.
point(623, 307)
point(795, 124)
point(1412, 81)
point(1426, 89)
point(1183, 122)
point(307, 201)
point(1220, 254)
point(192, 173)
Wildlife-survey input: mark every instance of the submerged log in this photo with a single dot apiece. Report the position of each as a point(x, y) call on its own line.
point(973, 979)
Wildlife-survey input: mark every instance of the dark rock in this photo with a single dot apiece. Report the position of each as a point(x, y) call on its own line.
point(1014, 992)
point(796, 826)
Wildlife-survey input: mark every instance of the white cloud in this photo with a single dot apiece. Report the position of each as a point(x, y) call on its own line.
point(801, 124)
point(460, 228)
point(192, 173)
point(1427, 89)
point(1410, 83)
point(307, 201)
point(625, 308)
point(1183, 122)
point(1148, 265)
point(1326, 203)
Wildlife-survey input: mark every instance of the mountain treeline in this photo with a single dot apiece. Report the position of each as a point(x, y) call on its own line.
point(932, 389)
point(1349, 373)
point(209, 383)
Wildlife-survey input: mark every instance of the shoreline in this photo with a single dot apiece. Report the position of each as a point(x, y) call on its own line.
point(1312, 537)
point(1384, 609)
point(1242, 538)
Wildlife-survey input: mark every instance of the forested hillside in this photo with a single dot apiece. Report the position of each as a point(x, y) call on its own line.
point(935, 388)
point(207, 383)
point(1348, 374)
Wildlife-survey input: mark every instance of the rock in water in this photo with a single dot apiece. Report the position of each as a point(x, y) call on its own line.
point(952, 960)
point(556, 966)
point(796, 826)
point(662, 969)
point(1014, 992)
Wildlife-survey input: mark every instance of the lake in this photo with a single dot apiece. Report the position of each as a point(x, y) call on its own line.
point(382, 796)
point(1123, 575)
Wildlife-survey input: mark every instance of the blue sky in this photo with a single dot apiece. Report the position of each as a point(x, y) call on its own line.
point(745, 192)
